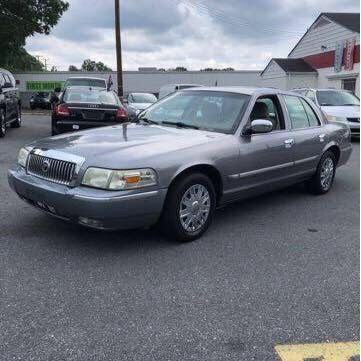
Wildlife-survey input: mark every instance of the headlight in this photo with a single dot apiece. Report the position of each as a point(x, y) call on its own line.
point(333, 118)
point(23, 156)
point(119, 179)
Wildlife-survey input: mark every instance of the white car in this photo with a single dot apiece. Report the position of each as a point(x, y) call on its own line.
point(171, 88)
point(137, 102)
point(339, 106)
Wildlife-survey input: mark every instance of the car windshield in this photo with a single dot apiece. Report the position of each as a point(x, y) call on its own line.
point(336, 98)
point(207, 110)
point(88, 95)
point(86, 82)
point(143, 98)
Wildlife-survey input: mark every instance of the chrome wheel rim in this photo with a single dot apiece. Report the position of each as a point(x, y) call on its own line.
point(194, 208)
point(327, 170)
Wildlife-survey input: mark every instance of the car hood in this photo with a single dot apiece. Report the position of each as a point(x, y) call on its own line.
point(140, 106)
point(342, 111)
point(127, 144)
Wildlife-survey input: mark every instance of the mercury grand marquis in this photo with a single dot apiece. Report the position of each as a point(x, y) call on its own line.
point(186, 155)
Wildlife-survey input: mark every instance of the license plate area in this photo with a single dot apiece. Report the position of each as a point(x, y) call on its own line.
point(92, 115)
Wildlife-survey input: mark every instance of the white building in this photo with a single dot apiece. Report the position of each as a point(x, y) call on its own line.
point(327, 55)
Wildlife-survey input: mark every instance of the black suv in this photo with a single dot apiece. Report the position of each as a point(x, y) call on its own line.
point(10, 106)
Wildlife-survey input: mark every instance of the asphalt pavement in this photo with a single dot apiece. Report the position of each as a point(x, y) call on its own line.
point(281, 269)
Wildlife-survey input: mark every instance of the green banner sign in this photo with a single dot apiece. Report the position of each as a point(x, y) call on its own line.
point(33, 85)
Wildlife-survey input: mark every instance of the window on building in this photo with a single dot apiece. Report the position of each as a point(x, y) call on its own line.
point(349, 84)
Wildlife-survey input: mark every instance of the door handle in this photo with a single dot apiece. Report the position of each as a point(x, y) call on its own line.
point(322, 137)
point(289, 143)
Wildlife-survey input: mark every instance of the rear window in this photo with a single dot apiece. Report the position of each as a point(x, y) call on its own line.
point(89, 96)
point(86, 82)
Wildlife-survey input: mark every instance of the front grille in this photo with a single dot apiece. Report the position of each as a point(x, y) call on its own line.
point(54, 170)
point(354, 120)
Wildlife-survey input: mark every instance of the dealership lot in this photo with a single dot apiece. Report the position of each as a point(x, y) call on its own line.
point(279, 269)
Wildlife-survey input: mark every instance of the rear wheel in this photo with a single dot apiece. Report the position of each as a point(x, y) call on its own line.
point(322, 180)
point(189, 208)
point(2, 124)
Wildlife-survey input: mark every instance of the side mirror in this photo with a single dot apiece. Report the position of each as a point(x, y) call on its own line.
point(259, 126)
point(57, 90)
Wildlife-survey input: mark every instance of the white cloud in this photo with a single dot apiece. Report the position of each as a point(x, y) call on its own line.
point(240, 34)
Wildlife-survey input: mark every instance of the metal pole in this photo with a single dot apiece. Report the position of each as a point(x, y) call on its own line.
point(118, 45)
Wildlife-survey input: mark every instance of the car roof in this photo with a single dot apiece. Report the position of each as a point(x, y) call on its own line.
point(241, 90)
point(87, 87)
point(85, 77)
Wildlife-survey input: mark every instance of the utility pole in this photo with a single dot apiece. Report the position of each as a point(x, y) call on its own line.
point(118, 46)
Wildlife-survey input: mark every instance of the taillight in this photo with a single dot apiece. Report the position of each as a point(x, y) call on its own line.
point(122, 113)
point(62, 110)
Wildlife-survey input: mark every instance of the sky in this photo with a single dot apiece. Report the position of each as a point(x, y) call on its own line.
point(195, 34)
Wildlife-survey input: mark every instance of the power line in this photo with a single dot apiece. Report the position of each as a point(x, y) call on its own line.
point(229, 20)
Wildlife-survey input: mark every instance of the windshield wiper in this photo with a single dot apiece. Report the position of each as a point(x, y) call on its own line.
point(181, 125)
point(148, 121)
point(346, 105)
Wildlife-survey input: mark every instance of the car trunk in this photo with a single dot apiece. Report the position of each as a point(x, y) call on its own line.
point(92, 112)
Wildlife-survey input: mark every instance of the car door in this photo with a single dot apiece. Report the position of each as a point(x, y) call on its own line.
point(266, 159)
point(307, 131)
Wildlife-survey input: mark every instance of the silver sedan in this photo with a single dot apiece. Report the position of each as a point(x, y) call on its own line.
point(186, 155)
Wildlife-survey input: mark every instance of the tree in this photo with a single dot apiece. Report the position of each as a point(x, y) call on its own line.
point(73, 68)
point(91, 65)
point(180, 68)
point(53, 68)
point(23, 18)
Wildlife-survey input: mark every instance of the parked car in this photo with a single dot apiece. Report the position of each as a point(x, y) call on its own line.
point(83, 107)
point(41, 100)
point(83, 81)
point(136, 102)
point(10, 105)
point(339, 106)
point(171, 88)
point(190, 153)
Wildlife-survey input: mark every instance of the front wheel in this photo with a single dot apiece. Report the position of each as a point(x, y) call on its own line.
point(189, 208)
point(322, 180)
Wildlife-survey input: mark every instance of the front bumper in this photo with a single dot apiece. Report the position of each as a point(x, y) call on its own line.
point(87, 206)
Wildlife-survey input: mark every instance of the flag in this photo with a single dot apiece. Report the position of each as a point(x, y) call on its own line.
point(110, 83)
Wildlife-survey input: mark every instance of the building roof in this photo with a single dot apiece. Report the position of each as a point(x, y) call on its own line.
point(350, 21)
point(291, 65)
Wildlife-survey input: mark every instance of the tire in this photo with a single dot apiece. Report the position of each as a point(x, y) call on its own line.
point(2, 124)
point(17, 122)
point(54, 131)
point(322, 180)
point(179, 200)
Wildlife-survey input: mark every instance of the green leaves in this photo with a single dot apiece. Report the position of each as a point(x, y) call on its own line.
point(20, 19)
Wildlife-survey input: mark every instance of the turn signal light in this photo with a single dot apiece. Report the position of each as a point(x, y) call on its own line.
point(62, 110)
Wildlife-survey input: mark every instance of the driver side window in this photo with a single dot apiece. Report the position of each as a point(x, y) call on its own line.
point(268, 107)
